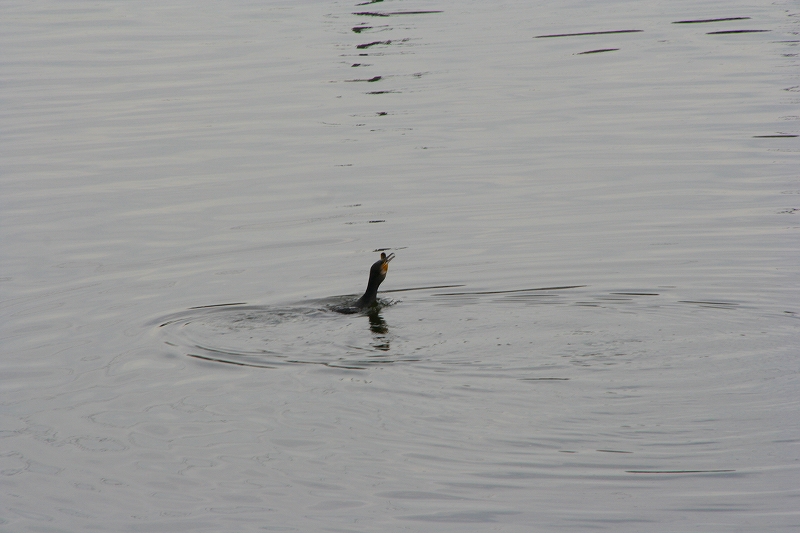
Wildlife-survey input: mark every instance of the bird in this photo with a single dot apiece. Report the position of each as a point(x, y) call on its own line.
point(377, 273)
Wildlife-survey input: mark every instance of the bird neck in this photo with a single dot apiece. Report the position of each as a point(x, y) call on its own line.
point(371, 293)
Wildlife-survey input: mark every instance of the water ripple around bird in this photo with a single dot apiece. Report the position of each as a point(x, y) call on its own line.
point(312, 332)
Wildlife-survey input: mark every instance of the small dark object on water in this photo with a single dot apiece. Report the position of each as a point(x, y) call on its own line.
point(378, 14)
point(597, 51)
point(373, 43)
point(377, 273)
point(370, 80)
point(703, 21)
point(586, 33)
point(728, 32)
point(679, 471)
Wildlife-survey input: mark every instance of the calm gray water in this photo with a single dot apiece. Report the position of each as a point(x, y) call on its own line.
point(591, 322)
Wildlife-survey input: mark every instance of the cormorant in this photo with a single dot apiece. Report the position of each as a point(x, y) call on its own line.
point(377, 273)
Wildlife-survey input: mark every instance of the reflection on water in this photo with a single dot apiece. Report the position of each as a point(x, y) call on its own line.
point(378, 326)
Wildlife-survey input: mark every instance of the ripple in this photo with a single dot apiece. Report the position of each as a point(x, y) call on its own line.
point(99, 444)
point(270, 336)
point(440, 328)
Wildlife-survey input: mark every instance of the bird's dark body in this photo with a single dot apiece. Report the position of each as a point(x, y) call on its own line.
point(377, 273)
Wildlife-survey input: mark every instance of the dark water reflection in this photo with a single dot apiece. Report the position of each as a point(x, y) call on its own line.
point(380, 329)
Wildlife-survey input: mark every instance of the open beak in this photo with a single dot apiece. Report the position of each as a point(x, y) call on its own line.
point(385, 265)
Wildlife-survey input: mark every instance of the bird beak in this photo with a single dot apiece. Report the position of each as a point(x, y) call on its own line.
point(385, 265)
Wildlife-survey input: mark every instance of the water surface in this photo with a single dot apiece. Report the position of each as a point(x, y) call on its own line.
point(591, 320)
